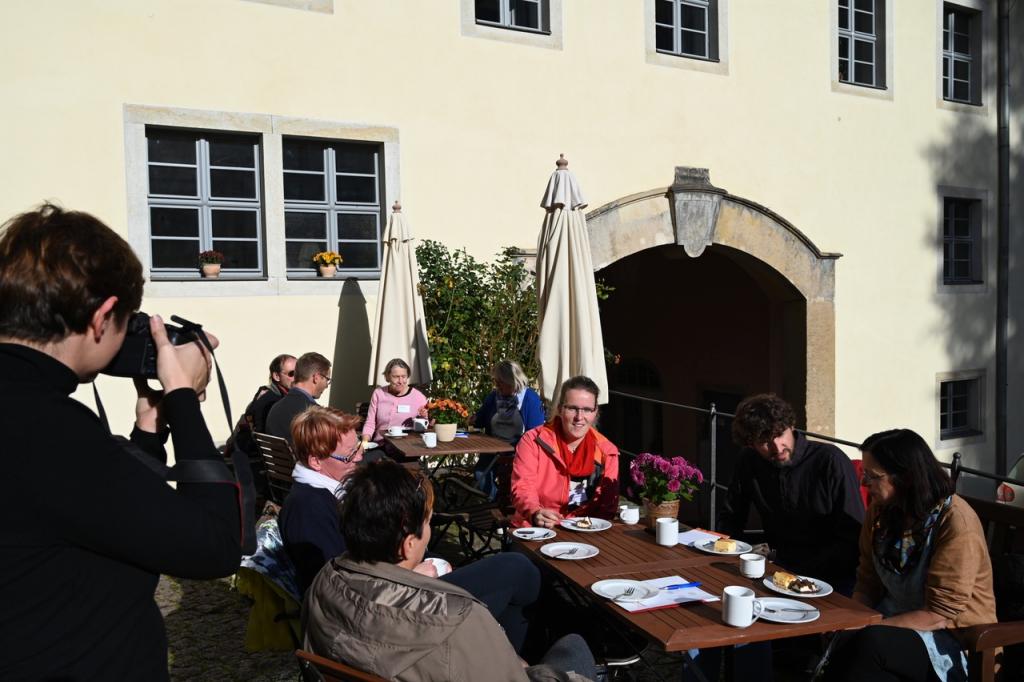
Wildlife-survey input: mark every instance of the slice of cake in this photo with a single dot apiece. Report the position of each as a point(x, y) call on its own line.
point(783, 579)
point(725, 545)
point(585, 523)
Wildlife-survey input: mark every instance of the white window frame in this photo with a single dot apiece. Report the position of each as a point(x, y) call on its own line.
point(876, 39)
point(710, 32)
point(982, 36)
point(550, 37)
point(981, 219)
point(976, 430)
point(507, 16)
point(272, 129)
point(718, 45)
point(953, 19)
point(883, 39)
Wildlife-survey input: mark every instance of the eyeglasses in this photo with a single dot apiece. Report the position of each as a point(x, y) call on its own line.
point(289, 374)
point(587, 411)
point(350, 456)
point(325, 377)
point(867, 478)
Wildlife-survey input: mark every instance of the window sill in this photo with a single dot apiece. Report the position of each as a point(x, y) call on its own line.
point(520, 29)
point(669, 53)
point(960, 439)
point(550, 39)
point(978, 109)
point(717, 66)
point(856, 89)
point(270, 286)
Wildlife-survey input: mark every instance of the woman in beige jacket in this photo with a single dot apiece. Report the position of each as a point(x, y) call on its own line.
point(369, 609)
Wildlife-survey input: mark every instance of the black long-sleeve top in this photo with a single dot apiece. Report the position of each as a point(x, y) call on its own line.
point(812, 510)
point(87, 529)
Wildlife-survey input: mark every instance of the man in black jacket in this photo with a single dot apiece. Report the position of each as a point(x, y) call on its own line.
point(806, 493)
point(312, 377)
point(88, 527)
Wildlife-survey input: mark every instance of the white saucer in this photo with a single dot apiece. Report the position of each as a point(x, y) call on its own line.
point(560, 550)
point(824, 589)
point(616, 590)
point(534, 533)
point(709, 547)
point(598, 525)
point(800, 613)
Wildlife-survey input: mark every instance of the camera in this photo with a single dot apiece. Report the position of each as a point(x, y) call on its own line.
point(137, 357)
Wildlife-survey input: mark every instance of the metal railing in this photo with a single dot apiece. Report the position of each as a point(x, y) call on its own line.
point(955, 467)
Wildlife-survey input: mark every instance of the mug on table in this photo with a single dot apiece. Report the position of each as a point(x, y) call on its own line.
point(629, 514)
point(752, 565)
point(667, 532)
point(739, 607)
point(430, 439)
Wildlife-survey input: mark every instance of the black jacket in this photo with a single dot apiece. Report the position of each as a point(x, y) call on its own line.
point(812, 510)
point(87, 529)
point(280, 416)
point(311, 530)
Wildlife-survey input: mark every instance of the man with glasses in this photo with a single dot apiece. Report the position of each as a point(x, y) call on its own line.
point(312, 377)
point(806, 493)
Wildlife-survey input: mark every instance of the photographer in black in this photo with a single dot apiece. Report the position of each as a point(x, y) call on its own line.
point(87, 527)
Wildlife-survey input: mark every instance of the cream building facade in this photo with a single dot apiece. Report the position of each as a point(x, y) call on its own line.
point(854, 189)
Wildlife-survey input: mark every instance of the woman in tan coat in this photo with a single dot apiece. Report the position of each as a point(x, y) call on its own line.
point(923, 564)
point(369, 609)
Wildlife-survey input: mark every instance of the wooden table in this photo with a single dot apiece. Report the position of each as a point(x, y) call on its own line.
point(631, 552)
point(411, 446)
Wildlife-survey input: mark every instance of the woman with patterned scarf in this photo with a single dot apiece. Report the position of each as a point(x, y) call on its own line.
point(565, 468)
point(923, 564)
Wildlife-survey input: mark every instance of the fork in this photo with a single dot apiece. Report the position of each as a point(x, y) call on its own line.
point(568, 552)
point(629, 591)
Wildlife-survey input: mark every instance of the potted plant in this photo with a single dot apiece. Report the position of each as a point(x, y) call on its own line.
point(662, 482)
point(447, 414)
point(327, 262)
point(210, 262)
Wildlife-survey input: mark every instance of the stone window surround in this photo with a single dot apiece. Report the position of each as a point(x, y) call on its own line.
point(719, 67)
point(970, 439)
point(987, 38)
point(985, 219)
point(888, 38)
point(551, 40)
point(271, 128)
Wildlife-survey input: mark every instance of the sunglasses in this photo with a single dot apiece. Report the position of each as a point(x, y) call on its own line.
point(288, 374)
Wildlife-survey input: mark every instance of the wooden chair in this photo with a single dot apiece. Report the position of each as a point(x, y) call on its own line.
point(279, 461)
point(483, 525)
point(1004, 532)
point(319, 669)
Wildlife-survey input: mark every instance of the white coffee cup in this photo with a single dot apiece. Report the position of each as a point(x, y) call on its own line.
point(430, 439)
point(442, 566)
point(752, 565)
point(666, 531)
point(396, 431)
point(739, 607)
point(629, 514)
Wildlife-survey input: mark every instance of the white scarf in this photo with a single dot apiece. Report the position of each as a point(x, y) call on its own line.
point(303, 474)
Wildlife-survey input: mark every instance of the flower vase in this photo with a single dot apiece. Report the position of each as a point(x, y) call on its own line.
point(210, 270)
point(663, 510)
point(328, 270)
point(445, 432)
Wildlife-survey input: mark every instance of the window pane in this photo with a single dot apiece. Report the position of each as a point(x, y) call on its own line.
point(962, 251)
point(353, 189)
point(694, 17)
point(947, 260)
point(239, 254)
point(863, 73)
point(233, 184)
point(301, 225)
point(174, 222)
point(358, 255)
point(176, 253)
point(844, 47)
point(303, 155)
point(844, 70)
point(945, 39)
point(863, 23)
point(864, 5)
point(663, 38)
point(961, 43)
point(171, 147)
point(237, 224)
point(172, 180)
point(962, 228)
point(961, 70)
point(303, 187)
point(863, 51)
point(945, 67)
point(961, 91)
point(488, 10)
point(300, 254)
point(357, 226)
point(962, 270)
point(692, 43)
point(355, 158)
point(526, 14)
point(233, 151)
point(663, 12)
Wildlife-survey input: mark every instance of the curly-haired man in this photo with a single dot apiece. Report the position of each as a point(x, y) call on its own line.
point(806, 493)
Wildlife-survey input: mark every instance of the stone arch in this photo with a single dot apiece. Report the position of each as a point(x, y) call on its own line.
point(694, 214)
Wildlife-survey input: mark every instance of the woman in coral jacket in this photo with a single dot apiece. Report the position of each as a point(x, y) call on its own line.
point(565, 468)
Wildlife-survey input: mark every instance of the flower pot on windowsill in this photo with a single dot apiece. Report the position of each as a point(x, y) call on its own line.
point(663, 510)
point(211, 270)
point(328, 270)
point(445, 432)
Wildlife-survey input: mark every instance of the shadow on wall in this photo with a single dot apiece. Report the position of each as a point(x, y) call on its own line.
point(966, 157)
point(351, 361)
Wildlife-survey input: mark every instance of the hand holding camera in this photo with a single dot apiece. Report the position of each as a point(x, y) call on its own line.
point(181, 366)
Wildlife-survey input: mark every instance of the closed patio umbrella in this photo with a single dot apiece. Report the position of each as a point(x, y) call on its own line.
point(570, 340)
point(400, 329)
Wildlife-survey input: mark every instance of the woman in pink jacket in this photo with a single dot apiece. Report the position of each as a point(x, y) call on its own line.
point(566, 468)
point(394, 404)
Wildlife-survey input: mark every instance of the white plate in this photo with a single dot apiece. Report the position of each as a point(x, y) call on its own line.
point(709, 547)
point(616, 590)
point(599, 525)
point(534, 533)
point(800, 613)
point(824, 589)
point(560, 550)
